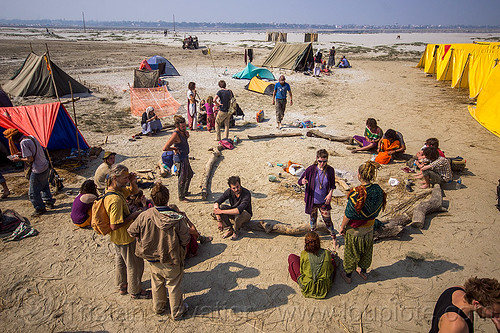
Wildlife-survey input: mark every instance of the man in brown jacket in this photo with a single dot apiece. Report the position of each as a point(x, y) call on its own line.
point(162, 236)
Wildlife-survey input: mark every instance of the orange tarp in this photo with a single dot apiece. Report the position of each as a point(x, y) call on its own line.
point(159, 98)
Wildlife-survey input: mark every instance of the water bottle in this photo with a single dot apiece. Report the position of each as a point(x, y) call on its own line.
point(235, 140)
point(269, 164)
point(459, 183)
point(373, 157)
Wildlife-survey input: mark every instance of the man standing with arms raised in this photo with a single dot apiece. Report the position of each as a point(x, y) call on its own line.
point(279, 98)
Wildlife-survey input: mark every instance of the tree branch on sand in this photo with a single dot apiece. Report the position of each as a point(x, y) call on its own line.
point(319, 134)
point(392, 226)
point(272, 136)
point(207, 174)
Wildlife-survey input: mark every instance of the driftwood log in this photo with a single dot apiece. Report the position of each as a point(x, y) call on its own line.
point(207, 174)
point(319, 134)
point(272, 136)
point(392, 226)
point(434, 204)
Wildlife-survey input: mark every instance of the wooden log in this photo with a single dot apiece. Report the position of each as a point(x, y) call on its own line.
point(343, 184)
point(319, 134)
point(207, 174)
point(392, 227)
point(434, 204)
point(272, 136)
point(282, 228)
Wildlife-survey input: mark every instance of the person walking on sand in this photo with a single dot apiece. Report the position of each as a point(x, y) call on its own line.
point(192, 112)
point(223, 101)
point(319, 180)
point(364, 203)
point(178, 143)
point(279, 99)
point(32, 155)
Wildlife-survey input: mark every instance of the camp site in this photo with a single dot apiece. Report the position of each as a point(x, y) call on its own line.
point(81, 95)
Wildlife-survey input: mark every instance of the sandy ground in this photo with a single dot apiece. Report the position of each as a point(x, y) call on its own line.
point(62, 280)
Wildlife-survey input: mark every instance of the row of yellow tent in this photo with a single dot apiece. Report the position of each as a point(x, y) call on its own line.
point(472, 66)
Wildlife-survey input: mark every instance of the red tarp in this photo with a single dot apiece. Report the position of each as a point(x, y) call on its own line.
point(49, 123)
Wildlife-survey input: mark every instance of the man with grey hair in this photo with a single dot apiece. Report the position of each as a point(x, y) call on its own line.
point(128, 267)
point(279, 98)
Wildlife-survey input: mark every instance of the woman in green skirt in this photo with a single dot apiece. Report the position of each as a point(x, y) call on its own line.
point(363, 205)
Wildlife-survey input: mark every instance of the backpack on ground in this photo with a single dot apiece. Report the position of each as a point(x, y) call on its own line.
point(100, 218)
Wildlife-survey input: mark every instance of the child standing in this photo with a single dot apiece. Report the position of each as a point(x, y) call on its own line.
point(192, 113)
point(209, 107)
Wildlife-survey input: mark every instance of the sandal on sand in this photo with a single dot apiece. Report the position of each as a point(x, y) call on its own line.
point(123, 289)
point(205, 239)
point(347, 280)
point(360, 273)
point(229, 233)
point(144, 294)
point(235, 236)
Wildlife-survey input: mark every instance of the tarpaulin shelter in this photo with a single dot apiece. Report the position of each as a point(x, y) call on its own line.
point(159, 98)
point(251, 71)
point(49, 123)
point(487, 111)
point(145, 78)
point(34, 79)
point(260, 86)
point(166, 68)
point(290, 56)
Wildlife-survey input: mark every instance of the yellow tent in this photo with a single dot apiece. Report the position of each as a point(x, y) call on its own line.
point(481, 65)
point(487, 111)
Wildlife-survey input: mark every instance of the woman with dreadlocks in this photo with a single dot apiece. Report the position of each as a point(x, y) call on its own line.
point(363, 205)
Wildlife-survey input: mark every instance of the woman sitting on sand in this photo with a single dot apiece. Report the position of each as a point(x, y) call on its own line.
point(438, 171)
point(388, 146)
point(419, 159)
point(372, 136)
point(314, 270)
point(363, 205)
point(150, 123)
point(81, 211)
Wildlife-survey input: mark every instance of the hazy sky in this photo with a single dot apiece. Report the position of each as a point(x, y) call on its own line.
point(370, 12)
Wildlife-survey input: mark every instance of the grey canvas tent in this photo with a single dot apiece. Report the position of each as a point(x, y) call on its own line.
point(33, 79)
point(290, 56)
point(145, 78)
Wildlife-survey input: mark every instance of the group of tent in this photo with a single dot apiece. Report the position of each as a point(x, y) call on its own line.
point(150, 70)
point(294, 56)
point(49, 123)
point(472, 66)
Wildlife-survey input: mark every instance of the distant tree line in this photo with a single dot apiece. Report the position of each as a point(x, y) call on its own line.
point(240, 26)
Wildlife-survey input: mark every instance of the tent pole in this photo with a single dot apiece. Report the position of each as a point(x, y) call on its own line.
point(31, 48)
point(51, 73)
point(213, 64)
point(448, 67)
point(463, 70)
point(76, 123)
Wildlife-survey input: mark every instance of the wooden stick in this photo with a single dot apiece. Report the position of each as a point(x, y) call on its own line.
point(318, 134)
point(76, 122)
point(272, 136)
point(51, 73)
point(208, 171)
